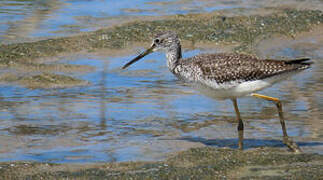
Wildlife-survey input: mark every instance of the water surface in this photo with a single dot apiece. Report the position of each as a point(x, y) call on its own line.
point(25, 20)
point(144, 113)
point(30, 20)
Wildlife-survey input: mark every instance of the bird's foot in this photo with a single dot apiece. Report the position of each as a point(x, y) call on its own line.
point(292, 145)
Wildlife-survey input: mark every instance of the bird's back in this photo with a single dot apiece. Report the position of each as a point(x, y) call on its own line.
point(224, 68)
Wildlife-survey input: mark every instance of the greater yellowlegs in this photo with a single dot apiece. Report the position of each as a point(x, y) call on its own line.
point(227, 76)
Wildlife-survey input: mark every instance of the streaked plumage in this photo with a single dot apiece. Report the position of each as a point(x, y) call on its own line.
point(224, 68)
point(224, 73)
point(227, 75)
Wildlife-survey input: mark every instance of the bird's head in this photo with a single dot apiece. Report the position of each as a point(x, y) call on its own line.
point(162, 42)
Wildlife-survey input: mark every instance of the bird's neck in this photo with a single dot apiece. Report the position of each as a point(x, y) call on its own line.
point(173, 55)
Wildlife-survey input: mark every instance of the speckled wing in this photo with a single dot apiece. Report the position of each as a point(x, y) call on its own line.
point(224, 68)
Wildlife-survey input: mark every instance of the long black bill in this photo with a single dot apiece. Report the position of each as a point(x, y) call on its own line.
point(148, 51)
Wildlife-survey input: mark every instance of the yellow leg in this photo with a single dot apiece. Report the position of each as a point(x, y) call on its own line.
point(288, 141)
point(240, 124)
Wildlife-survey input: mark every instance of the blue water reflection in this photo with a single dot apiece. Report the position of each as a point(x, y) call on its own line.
point(141, 113)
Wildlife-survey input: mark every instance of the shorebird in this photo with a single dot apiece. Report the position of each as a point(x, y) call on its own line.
point(228, 76)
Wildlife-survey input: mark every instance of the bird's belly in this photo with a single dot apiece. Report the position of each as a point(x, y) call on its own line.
point(232, 89)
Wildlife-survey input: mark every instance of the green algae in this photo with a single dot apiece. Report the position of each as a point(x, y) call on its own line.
point(195, 163)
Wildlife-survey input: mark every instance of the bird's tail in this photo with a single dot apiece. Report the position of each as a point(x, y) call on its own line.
point(299, 61)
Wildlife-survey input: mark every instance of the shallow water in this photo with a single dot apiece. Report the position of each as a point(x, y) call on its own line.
point(144, 113)
point(32, 19)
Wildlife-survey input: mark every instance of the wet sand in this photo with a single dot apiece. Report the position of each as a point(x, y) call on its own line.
point(195, 163)
point(244, 34)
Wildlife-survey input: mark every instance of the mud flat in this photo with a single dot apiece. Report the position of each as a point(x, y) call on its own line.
point(196, 163)
point(36, 65)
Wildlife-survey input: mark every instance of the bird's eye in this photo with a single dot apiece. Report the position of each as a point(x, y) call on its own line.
point(157, 40)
